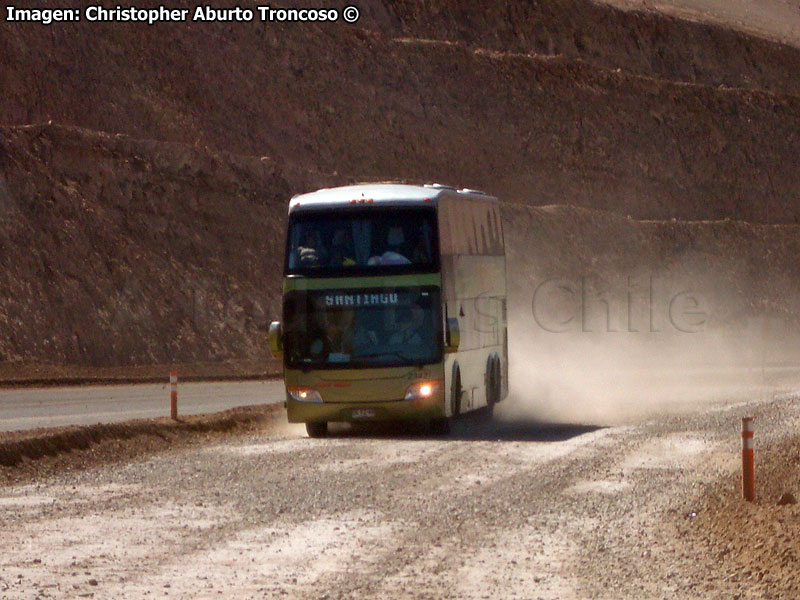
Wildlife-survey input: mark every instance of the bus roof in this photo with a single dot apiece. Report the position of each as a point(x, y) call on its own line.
point(385, 194)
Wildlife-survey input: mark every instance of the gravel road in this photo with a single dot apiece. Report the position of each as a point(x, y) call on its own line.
point(500, 509)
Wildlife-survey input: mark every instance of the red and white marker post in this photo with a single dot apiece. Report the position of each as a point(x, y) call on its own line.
point(748, 472)
point(173, 395)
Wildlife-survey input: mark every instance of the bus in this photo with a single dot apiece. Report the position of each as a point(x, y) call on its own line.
point(393, 307)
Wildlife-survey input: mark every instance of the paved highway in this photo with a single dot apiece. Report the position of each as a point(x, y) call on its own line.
point(28, 408)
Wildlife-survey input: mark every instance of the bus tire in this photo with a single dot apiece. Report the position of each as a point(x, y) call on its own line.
point(317, 430)
point(491, 382)
point(455, 392)
point(498, 380)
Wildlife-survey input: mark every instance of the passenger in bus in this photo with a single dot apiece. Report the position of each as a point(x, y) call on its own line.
point(393, 254)
point(310, 252)
point(340, 254)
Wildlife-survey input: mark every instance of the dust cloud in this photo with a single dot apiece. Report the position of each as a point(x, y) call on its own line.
point(618, 377)
point(613, 320)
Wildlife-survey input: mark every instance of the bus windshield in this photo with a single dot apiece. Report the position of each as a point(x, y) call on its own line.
point(362, 240)
point(362, 328)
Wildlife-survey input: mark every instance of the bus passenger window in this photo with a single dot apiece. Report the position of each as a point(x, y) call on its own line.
point(399, 240)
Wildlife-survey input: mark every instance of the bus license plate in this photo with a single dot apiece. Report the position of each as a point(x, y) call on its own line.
point(364, 413)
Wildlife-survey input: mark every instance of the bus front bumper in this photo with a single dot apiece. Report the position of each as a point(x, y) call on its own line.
point(395, 410)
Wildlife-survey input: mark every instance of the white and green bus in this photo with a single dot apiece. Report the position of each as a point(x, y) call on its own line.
point(394, 305)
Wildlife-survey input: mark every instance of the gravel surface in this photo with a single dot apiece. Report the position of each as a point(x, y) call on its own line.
point(497, 510)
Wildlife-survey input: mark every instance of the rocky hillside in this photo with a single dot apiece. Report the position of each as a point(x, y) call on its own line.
point(144, 171)
point(117, 251)
point(375, 103)
point(122, 251)
point(644, 42)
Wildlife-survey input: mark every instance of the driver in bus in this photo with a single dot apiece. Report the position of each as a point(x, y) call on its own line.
point(340, 338)
point(335, 336)
point(409, 331)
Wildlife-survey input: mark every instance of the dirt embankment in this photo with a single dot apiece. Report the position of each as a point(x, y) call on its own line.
point(32, 455)
point(157, 253)
point(774, 19)
point(117, 251)
point(122, 250)
point(645, 42)
point(360, 103)
point(757, 543)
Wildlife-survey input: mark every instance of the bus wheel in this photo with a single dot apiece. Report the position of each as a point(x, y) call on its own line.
point(317, 430)
point(497, 381)
point(455, 394)
point(491, 383)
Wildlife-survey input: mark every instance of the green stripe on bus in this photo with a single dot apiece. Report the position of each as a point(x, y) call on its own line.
point(291, 284)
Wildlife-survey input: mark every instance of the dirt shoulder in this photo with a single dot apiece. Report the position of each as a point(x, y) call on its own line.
point(33, 454)
point(757, 544)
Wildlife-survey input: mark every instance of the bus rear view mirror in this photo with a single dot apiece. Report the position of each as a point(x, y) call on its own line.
point(452, 336)
point(275, 339)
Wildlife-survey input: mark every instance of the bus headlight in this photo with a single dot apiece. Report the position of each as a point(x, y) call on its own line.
point(304, 394)
point(422, 390)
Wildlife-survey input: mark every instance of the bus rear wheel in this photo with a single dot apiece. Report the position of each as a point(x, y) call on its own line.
point(493, 384)
point(317, 430)
point(489, 379)
point(455, 394)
